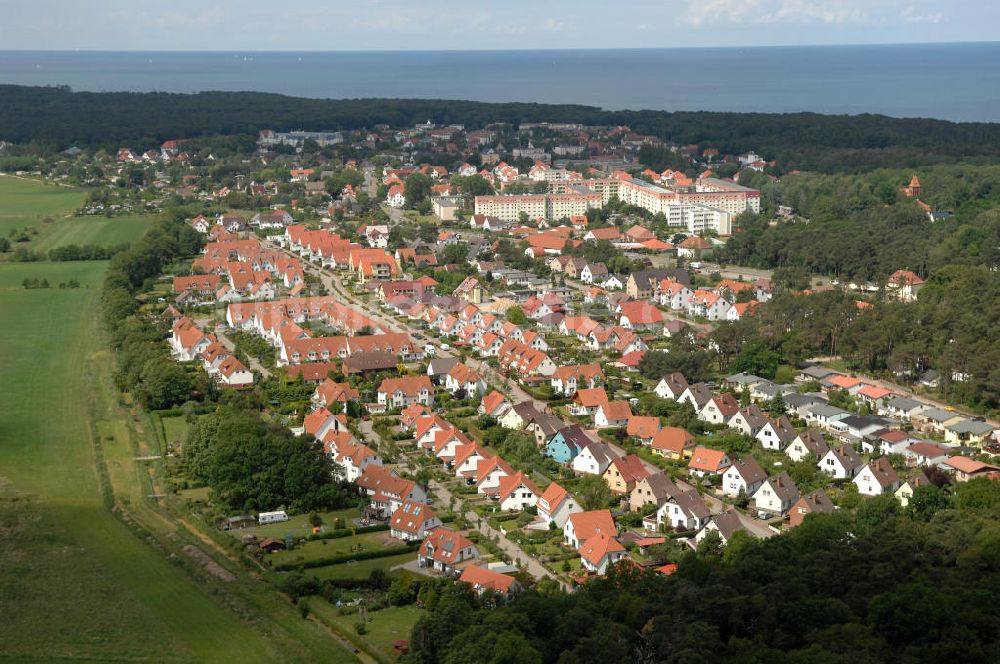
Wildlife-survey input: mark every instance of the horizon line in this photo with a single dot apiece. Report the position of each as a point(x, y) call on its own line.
point(505, 50)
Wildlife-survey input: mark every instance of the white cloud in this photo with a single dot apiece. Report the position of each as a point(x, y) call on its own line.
point(910, 15)
point(773, 12)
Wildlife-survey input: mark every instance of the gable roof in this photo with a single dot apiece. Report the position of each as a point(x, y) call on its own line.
point(482, 577)
point(598, 547)
point(706, 459)
point(749, 470)
point(588, 524)
point(672, 439)
point(630, 467)
point(642, 426)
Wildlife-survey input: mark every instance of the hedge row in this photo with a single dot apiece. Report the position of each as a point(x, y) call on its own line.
point(347, 532)
point(343, 558)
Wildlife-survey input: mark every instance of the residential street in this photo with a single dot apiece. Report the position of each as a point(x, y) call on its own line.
point(535, 568)
point(255, 365)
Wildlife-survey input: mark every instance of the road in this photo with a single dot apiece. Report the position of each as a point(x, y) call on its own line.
point(255, 364)
point(444, 497)
point(535, 568)
point(907, 392)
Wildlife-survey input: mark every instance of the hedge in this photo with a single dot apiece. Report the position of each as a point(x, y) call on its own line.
point(335, 560)
point(346, 532)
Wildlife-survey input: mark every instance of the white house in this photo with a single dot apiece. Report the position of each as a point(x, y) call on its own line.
point(686, 511)
point(593, 459)
point(412, 521)
point(516, 492)
point(775, 496)
point(745, 475)
point(777, 434)
point(556, 504)
point(841, 463)
point(876, 478)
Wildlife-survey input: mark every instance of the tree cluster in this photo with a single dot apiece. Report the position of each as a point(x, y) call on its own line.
point(882, 584)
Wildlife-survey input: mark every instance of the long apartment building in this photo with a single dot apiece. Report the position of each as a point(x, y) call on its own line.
point(709, 205)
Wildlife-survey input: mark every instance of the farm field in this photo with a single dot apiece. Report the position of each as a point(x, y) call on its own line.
point(85, 586)
point(26, 203)
point(94, 230)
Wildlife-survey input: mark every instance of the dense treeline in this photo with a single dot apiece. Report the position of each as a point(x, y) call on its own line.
point(808, 141)
point(885, 584)
point(86, 252)
point(144, 365)
point(253, 465)
point(862, 227)
point(951, 328)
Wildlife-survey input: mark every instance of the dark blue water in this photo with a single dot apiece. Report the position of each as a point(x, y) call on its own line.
point(947, 81)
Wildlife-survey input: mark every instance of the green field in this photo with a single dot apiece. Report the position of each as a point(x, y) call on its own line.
point(27, 203)
point(340, 546)
point(47, 208)
point(296, 526)
point(78, 582)
point(384, 626)
point(93, 230)
point(362, 568)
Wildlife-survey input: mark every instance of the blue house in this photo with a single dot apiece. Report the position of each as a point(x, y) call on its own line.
point(566, 443)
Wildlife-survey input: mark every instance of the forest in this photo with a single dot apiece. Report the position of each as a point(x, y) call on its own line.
point(60, 117)
point(861, 226)
point(882, 584)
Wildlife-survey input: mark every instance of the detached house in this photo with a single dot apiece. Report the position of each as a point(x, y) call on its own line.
point(705, 461)
point(653, 489)
point(748, 421)
point(673, 443)
point(806, 443)
point(777, 434)
point(726, 524)
point(643, 428)
point(516, 492)
point(671, 387)
point(744, 476)
point(444, 549)
point(876, 478)
point(841, 463)
point(612, 414)
point(412, 521)
point(685, 511)
point(622, 474)
point(719, 409)
point(600, 551)
point(581, 526)
point(816, 502)
point(555, 505)
point(775, 496)
point(593, 459)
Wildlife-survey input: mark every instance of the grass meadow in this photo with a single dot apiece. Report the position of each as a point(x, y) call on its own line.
point(81, 582)
point(47, 208)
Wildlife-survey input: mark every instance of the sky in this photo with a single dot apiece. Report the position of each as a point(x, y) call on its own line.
point(333, 25)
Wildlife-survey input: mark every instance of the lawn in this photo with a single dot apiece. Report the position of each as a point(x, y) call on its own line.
point(296, 526)
point(362, 568)
point(340, 546)
point(384, 626)
point(84, 585)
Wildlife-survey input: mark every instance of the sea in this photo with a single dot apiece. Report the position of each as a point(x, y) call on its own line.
point(958, 82)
